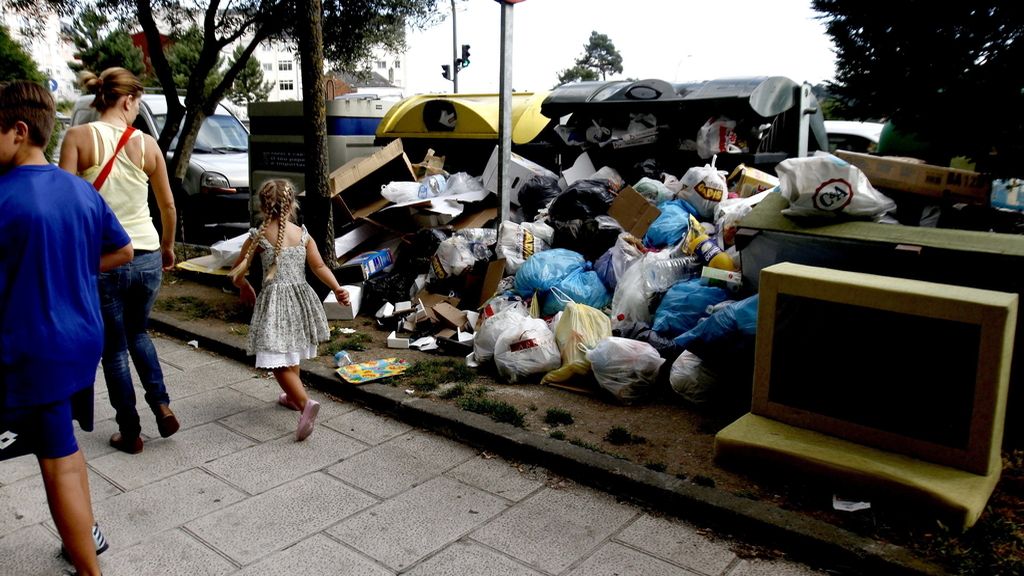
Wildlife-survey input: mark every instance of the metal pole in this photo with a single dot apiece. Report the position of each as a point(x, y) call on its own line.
point(505, 111)
point(455, 54)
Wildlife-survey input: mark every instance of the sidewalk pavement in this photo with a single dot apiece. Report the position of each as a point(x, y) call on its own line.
point(233, 493)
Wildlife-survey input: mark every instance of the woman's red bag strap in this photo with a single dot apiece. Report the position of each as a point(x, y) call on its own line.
point(98, 183)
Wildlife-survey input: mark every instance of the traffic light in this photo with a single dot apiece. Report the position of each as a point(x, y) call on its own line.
point(465, 55)
point(446, 71)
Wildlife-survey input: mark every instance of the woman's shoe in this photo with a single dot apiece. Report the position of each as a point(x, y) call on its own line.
point(97, 538)
point(307, 419)
point(285, 401)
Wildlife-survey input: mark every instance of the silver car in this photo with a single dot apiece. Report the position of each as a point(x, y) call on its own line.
point(213, 201)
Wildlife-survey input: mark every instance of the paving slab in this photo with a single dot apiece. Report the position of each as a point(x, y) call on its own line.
point(402, 462)
point(268, 421)
point(211, 406)
point(17, 469)
point(404, 529)
point(23, 503)
point(269, 464)
point(317, 555)
point(553, 529)
point(132, 517)
point(257, 527)
point(187, 358)
point(367, 426)
point(614, 559)
point(169, 552)
point(499, 476)
point(772, 568)
point(31, 551)
point(462, 558)
point(210, 376)
point(96, 444)
point(677, 542)
point(169, 456)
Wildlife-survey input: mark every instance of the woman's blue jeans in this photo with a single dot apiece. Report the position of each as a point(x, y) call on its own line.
point(127, 294)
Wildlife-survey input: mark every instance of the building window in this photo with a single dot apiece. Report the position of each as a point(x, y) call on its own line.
point(284, 65)
point(398, 63)
point(381, 64)
point(286, 85)
point(268, 67)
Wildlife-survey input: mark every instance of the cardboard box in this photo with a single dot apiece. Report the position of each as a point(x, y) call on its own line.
point(364, 266)
point(450, 315)
point(520, 172)
point(581, 168)
point(359, 181)
point(633, 212)
point(338, 311)
point(907, 175)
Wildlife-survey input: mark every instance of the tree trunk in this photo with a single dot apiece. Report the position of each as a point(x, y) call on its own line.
point(317, 214)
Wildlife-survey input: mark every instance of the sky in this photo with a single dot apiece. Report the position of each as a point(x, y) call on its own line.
point(672, 40)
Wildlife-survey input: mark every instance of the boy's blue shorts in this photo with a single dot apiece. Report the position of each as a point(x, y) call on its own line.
point(47, 430)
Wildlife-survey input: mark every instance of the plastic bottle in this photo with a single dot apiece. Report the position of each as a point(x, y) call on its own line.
point(342, 358)
point(432, 186)
point(705, 249)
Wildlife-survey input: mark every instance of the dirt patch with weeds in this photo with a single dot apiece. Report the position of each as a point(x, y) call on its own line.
point(663, 434)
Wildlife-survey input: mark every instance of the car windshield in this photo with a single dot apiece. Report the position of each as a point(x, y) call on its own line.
point(219, 133)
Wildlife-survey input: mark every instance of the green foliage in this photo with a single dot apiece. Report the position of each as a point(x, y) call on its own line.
point(557, 434)
point(15, 63)
point(557, 416)
point(97, 47)
point(183, 57)
point(429, 375)
point(950, 76)
point(619, 436)
point(598, 60)
point(249, 85)
point(356, 341)
point(498, 410)
point(656, 466)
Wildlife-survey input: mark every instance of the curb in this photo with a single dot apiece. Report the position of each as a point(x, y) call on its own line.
point(806, 539)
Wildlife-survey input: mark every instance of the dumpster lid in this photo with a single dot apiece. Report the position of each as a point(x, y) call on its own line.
point(463, 116)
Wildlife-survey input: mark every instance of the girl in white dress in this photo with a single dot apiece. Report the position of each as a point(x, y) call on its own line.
point(288, 320)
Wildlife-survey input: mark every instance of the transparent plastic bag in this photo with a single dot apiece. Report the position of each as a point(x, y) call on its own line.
point(626, 368)
point(691, 379)
point(581, 327)
point(492, 328)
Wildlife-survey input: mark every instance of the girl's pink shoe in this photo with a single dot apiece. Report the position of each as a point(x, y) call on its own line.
point(307, 419)
point(283, 400)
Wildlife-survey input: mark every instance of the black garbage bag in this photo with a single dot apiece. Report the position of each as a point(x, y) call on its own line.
point(583, 200)
point(591, 237)
point(388, 287)
point(536, 194)
point(414, 255)
point(646, 169)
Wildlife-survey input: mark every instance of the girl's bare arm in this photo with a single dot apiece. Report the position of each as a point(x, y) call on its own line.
point(316, 264)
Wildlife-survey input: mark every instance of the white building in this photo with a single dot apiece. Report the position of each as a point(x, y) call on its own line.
point(51, 53)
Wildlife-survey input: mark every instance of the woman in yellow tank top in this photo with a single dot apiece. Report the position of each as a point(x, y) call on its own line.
point(127, 293)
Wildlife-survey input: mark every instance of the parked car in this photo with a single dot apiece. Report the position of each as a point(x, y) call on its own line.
point(213, 201)
point(853, 136)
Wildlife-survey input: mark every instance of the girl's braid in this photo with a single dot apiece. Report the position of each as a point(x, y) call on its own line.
point(243, 267)
point(279, 210)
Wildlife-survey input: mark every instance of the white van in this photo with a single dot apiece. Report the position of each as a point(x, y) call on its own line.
point(213, 203)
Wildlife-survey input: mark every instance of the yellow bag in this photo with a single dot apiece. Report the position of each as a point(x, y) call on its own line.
point(580, 328)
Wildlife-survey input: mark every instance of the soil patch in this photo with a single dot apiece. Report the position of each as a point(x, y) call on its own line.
point(663, 434)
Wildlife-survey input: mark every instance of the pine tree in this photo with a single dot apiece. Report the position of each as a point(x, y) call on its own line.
point(96, 49)
point(249, 85)
point(598, 60)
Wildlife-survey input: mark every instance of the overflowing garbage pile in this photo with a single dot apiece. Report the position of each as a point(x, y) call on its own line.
point(598, 285)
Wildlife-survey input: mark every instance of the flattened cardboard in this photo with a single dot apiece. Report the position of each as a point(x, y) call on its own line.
point(359, 181)
point(633, 212)
point(923, 179)
point(450, 315)
point(495, 272)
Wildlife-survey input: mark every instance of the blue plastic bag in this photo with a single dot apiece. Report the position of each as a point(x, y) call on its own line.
point(581, 287)
point(606, 270)
point(684, 305)
point(545, 269)
point(736, 319)
point(671, 226)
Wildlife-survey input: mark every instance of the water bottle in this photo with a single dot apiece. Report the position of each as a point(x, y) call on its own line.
point(432, 186)
point(342, 358)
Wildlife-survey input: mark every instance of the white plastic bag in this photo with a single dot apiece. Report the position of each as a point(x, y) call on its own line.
point(825, 185)
point(525, 349)
point(399, 192)
point(716, 136)
point(691, 379)
point(492, 327)
point(704, 187)
point(516, 243)
point(626, 368)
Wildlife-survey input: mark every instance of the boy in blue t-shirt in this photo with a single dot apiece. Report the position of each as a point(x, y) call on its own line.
point(56, 235)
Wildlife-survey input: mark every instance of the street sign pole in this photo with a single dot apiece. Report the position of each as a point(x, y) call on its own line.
point(455, 54)
point(505, 111)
